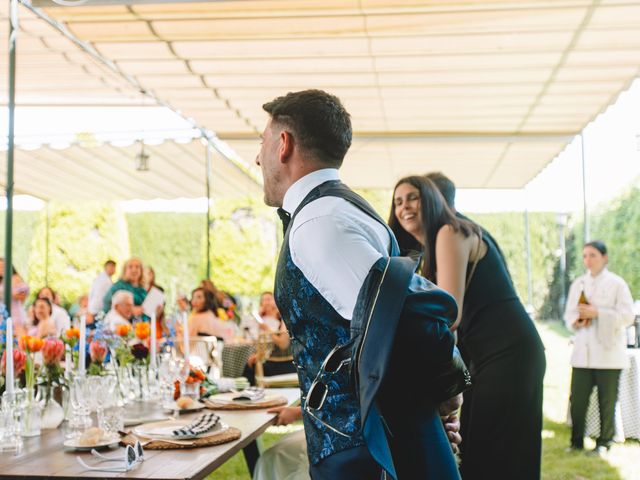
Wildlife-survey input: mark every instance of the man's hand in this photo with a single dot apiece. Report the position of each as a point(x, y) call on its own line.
point(587, 312)
point(452, 427)
point(286, 415)
point(448, 411)
point(451, 406)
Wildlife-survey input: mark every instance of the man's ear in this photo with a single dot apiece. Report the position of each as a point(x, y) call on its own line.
point(286, 146)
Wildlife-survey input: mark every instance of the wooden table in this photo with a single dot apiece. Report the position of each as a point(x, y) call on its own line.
point(45, 457)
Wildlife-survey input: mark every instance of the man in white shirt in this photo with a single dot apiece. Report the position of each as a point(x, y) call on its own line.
point(329, 250)
point(99, 289)
point(121, 310)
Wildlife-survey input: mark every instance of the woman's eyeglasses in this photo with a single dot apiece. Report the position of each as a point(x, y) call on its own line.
point(132, 456)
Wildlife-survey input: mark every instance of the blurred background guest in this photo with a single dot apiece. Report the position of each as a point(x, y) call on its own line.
point(280, 360)
point(599, 308)
point(79, 309)
point(99, 288)
point(19, 292)
point(132, 281)
point(203, 320)
point(121, 311)
point(154, 301)
point(43, 324)
point(59, 315)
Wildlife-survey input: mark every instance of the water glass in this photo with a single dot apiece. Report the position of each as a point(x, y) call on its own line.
point(111, 419)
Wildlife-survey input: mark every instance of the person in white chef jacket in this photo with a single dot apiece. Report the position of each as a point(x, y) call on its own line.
point(599, 342)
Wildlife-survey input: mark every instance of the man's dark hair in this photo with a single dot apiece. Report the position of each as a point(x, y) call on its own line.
point(109, 262)
point(598, 245)
point(446, 187)
point(317, 121)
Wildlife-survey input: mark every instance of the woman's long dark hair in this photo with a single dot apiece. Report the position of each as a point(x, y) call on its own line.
point(435, 214)
point(210, 303)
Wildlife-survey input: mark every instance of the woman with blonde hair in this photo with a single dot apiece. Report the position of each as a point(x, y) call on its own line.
point(131, 281)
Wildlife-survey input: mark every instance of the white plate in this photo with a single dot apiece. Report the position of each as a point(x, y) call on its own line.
point(164, 430)
point(108, 442)
point(193, 408)
point(228, 397)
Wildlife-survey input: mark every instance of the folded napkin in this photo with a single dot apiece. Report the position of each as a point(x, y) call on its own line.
point(202, 424)
point(251, 394)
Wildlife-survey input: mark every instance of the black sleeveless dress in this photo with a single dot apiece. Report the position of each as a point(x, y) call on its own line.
point(501, 418)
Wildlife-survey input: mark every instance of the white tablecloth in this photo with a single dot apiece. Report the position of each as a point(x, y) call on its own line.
point(628, 406)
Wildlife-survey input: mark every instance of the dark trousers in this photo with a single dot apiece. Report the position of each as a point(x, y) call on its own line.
point(582, 382)
point(353, 464)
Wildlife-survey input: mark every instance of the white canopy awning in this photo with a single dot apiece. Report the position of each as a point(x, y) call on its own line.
point(487, 92)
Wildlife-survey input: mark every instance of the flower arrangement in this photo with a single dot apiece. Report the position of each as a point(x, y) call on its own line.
point(30, 345)
point(70, 337)
point(51, 372)
point(98, 352)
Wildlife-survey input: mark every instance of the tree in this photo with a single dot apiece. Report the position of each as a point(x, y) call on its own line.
point(81, 238)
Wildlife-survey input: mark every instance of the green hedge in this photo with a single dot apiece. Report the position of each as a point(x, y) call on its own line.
point(24, 227)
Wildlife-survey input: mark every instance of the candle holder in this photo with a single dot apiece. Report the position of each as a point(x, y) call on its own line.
point(10, 419)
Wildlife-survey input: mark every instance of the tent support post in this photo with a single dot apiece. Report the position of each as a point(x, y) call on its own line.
point(46, 246)
point(585, 211)
point(8, 242)
point(208, 177)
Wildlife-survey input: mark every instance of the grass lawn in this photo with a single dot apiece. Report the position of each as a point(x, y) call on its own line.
point(623, 462)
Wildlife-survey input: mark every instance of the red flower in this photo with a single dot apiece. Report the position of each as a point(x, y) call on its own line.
point(140, 351)
point(52, 351)
point(98, 351)
point(19, 361)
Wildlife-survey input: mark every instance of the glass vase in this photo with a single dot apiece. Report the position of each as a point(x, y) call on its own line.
point(31, 415)
point(52, 411)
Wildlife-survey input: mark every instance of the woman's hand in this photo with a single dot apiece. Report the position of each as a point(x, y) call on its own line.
point(286, 415)
point(251, 361)
point(138, 311)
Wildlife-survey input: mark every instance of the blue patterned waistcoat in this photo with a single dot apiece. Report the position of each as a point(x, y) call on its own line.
point(315, 329)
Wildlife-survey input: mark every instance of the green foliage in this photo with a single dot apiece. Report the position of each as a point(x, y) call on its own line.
point(81, 238)
point(243, 247)
point(24, 227)
point(509, 231)
point(619, 227)
point(172, 244)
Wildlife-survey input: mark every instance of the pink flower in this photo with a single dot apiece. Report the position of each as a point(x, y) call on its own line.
point(19, 361)
point(98, 351)
point(52, 351)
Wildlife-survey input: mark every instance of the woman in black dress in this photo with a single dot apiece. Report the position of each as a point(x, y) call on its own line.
point(502, 414)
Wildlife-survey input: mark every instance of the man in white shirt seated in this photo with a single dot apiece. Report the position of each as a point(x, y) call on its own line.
point(99, 289)
point(121, 310)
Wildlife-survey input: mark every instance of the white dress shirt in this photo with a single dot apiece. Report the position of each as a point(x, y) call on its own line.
point(603, 344)
point(112, 319)
point(99, 289)
point(333, 242)
point(60, 318)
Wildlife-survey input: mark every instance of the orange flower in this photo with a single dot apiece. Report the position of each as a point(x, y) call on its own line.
point(72, 332)
point(31, 344)
point(123, 329)
point(143, 329)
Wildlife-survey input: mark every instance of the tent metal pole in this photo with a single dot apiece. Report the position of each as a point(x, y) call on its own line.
point(585, 210)
point(208, 176)
point(8, 242)
point(527, 242)
point(46, 247)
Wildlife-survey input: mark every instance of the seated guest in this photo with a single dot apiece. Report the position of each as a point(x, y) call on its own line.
point(225, 303)
point(280, 361)
point(203, 320)
point(154, 301)
point(121, 311)
point(131, 280)
point(43, 324)
point(59, 315)
point(79, 309)
point(19, 292)
point(99, 288)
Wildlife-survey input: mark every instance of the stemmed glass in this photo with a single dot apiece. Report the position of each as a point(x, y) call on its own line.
point(80, 394)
